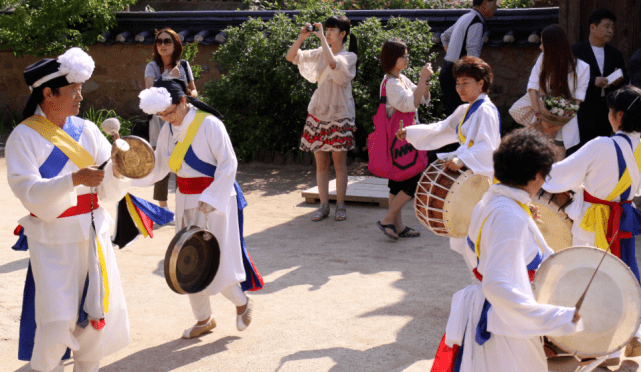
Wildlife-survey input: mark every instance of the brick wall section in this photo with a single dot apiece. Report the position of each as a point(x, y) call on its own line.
point(119, 75)
point(116, 81)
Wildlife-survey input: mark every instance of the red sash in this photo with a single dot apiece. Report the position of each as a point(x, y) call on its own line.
point(83, 206)
point(614, 222)
point(193, 185)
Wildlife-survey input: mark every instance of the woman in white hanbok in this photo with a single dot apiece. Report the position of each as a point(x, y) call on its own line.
point(497, 323)
point(596, 172)
point(476, 126)
point(202, 199)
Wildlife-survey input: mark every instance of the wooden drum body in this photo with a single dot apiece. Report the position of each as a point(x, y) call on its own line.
point(555, 225)
point(445, 199)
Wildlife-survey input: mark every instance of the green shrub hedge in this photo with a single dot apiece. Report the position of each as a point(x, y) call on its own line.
point(264, 98)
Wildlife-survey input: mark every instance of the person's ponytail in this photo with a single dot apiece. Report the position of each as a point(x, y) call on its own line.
point(353, 47)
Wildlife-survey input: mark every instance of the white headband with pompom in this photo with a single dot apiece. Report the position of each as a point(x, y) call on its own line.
point(154, 100)
point(75, 65)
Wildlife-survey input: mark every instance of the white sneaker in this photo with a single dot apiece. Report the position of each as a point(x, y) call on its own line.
point(197, 330)
point(243, 320)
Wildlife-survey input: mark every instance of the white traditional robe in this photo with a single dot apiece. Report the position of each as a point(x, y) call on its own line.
point(211, 145)
point(58, 246)
point(482, 128)
point(593, 167)
point(509, 242)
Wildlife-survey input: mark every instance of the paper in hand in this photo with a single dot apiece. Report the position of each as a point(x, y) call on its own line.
point(614, 76)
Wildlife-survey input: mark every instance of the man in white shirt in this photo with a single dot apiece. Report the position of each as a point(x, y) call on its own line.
point(465, 37)
point(603, 59)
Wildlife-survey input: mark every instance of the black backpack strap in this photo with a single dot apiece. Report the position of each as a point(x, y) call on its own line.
point(185, 66)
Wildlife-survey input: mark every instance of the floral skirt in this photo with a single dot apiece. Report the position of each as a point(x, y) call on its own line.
point(335, 135)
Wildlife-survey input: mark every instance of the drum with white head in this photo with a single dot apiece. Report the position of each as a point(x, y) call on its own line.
point(555, 225)
point(445, 199)
point(611, 310)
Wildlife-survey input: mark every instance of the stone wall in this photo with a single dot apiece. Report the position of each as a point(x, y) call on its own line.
point(119, 75)
point(116, 81)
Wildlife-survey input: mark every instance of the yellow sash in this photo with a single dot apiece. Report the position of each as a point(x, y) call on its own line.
point(597, 216)
point(81, 158)
point(178, 155)
point(460, 131)
point(59, 138)
point(478, 239)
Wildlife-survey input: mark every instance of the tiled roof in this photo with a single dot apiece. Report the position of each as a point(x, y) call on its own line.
point(519, 27)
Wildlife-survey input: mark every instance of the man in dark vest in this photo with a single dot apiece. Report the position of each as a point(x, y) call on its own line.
point(465, 37)
point(603, 59)
point(635, 69)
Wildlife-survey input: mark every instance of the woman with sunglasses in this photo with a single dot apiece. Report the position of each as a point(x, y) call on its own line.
point(167, 62)
point(405, 96)
point(329, 127)
point(605, 175)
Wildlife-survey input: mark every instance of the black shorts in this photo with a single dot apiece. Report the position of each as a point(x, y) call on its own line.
point(408, 186)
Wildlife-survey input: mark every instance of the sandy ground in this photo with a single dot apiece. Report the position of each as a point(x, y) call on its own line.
point(338, 296)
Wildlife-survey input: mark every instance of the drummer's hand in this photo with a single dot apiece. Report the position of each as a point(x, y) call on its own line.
point(576, 317)
point(454, 164)
point(401, 133)
point(88, 176)
point(536, 213)
point(115, 136)
point(205, 208)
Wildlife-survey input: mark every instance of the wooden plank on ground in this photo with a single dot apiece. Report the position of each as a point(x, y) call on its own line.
point(359, 189)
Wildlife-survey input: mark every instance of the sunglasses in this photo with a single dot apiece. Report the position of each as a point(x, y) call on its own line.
point(167, 41)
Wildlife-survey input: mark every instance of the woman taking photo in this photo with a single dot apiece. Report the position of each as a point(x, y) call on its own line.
point(558, 73)
point(404, 96)
point(476, 126)
point(330, 121)
point(167, 62)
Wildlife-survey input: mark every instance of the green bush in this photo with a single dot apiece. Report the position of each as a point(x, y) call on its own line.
point(264, 98)
point(98, 116)
point(377, 4)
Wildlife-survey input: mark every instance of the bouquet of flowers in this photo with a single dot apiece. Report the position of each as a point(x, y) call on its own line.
point(557, 111)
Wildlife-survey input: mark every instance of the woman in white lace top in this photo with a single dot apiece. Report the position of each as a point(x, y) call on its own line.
point(330, 121)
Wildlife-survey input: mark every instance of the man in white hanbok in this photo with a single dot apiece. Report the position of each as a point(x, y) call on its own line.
point(73, 294)
point(497, 323)
point(214, 203)
point(476, 126)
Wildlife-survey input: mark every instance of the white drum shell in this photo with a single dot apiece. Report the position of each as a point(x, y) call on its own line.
point(611, 311)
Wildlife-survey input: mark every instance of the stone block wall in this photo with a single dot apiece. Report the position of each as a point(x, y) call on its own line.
point(119, 75)
point(116, 81)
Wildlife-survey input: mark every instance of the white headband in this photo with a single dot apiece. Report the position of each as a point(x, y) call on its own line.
point(76, 65)
point(154, 100)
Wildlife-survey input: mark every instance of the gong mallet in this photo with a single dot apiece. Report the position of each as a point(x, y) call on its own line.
point(111, 126)
point(580, 301)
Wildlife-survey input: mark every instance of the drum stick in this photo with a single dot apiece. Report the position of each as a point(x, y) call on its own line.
point(580, 301)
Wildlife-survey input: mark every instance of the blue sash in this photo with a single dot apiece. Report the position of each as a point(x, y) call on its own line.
point(252, 277)
point(475, 106)
point(49, 169)
point(630, 216)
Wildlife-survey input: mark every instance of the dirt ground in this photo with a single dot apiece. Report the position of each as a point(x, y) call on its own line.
point(338, 296)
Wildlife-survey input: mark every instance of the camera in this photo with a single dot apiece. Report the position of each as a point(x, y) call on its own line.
point(312, 28)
